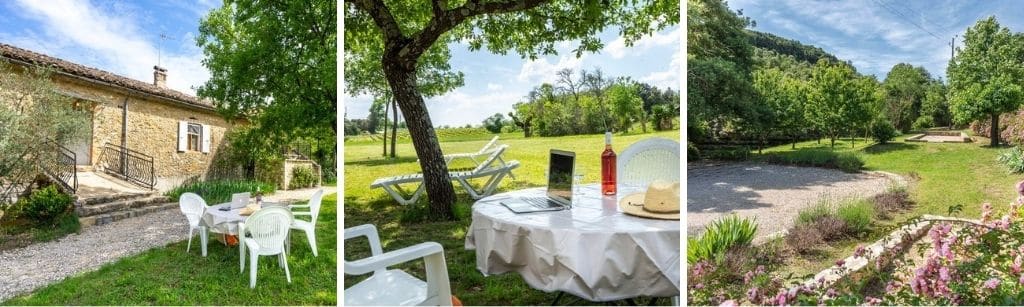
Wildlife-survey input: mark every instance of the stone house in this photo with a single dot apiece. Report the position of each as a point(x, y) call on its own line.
point(143, 133)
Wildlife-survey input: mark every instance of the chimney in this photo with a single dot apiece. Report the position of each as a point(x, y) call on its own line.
point(160, 76)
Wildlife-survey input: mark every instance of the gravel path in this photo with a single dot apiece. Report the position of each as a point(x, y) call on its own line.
point(773, 194)
point(25, 269)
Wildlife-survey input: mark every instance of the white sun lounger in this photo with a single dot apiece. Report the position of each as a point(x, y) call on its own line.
point(472, 155)
point(494, 169)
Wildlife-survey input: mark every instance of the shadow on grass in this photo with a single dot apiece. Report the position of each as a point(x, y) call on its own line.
point(382, 161)
point(889, 147)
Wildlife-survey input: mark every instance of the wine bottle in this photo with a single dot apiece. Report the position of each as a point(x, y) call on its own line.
point(608, 166)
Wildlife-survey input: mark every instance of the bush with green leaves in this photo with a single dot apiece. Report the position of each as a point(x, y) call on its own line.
point(692, 153)
point(923, 123)
point(45, 205)
point(727, 154)
point(719, 237)
point(883, 131)
point(219, 191)
point(845, 161)
point(1013, 159)
point(857, 215)
point(302, 177)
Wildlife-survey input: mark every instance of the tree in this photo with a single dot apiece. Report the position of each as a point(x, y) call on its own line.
point(719, 59)
point(32, 112)
point(494, 123)
point(378, 115)
point(626, 104)
point(398, 44)
point(778, 102)
point(274, 62)
point(833, 99)
point(597, 83)
point(985, 76)
point(935, 104)
point(906, 87)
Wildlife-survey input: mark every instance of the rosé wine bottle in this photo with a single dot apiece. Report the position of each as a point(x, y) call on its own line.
point(608, 166)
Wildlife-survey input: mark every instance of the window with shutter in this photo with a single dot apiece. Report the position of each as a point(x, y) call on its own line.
point(195, 136)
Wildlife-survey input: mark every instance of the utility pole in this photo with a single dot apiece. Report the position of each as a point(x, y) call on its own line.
point(952, 48)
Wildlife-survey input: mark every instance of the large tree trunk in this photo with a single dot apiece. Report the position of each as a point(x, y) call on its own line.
point(424, 140)
point(394, 127)
point(994, 134)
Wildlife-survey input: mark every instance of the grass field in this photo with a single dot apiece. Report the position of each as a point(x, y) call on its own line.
point(399, 227)
point(169, 276)
point(941, 175)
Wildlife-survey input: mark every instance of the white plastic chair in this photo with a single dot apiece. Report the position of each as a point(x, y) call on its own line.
point(396, 287)
point(308, 227)
point(648, 160)
point(194, 207)
point(263, 234)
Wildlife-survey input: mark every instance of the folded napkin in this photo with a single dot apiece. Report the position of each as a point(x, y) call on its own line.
point(250, 209)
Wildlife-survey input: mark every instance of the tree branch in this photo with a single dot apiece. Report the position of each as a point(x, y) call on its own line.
point(444, 21)
point(382, 17)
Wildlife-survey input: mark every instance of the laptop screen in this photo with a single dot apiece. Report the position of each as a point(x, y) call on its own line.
point(560, 175)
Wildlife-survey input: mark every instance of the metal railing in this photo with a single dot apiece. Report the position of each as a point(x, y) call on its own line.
point(61, 167)
point(129, 165)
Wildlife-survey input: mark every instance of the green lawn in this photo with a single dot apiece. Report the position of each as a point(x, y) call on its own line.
point(399, 226)
point(169, 276)
point(941, 175)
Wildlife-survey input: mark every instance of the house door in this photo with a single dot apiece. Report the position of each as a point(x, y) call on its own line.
point(82, 146)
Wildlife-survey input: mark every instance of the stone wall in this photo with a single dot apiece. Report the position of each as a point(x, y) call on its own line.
point(291, 164)
point(152, 129)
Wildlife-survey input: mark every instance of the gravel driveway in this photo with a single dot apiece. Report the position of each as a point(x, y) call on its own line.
point(25, 269)
point(773, 194)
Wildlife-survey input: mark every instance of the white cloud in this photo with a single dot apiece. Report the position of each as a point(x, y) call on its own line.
point(669, 77)
point(494, 87)
point(458, 108)
point(540, 70)
point(617, 49)
point(110, 41)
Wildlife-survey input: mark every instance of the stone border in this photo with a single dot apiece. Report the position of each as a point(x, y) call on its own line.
point(920, 137)
point(883, 251)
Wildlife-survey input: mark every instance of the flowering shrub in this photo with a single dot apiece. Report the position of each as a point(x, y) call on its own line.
point(965, 263)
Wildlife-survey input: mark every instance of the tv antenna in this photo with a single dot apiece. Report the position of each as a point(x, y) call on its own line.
point(159, 50)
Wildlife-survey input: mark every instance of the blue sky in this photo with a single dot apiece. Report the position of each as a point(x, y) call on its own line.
point(495, 82)
point(122, 37)
point(877, 34)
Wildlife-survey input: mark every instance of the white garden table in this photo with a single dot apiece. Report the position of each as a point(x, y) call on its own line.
point(226, 222)
point(593, 251)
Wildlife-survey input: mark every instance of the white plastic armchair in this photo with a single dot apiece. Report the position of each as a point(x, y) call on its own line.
point(193, 207)
point(648, 160)
point(396, 287)
point(263, 234)
point(308, 227)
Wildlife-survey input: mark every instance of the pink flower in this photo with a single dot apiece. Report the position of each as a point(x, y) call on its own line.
point(892, 286)
point(840, 262)
point(748, 277)
point(873, 301)
point(730, 303)
point(781, 298)
point(992, 283)
point(1021, 280)
point(986, 212)
point(698, 286)
point(752, 295)
point(1017, 262)
point(944, 274)
point(859, 252)
point(1020, 188)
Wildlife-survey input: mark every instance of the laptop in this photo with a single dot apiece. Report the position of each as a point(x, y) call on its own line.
point(239, 200)
point(559, 194)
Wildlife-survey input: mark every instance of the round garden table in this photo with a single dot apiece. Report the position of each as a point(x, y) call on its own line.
point(593, 251)
point(226, 222)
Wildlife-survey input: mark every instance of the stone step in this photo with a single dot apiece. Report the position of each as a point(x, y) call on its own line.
point(120, 205)
point(107, 218)
point(109, 198)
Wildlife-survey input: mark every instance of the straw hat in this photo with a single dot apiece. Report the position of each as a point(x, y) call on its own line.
point(661, 201)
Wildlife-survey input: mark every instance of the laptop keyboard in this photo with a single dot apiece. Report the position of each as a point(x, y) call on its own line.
point(541, 202)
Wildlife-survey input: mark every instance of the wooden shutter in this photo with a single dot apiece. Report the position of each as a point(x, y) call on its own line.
point(206, 139)
point(182, 136)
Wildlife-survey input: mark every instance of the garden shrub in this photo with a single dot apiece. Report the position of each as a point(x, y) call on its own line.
point(845, 161)
point(894, 199)
point(804, 239)
point(857, 216)
point(923, 123)
point(302, 177)
point(1013, 159)
point(727, 154)
point(883, 131)
point(831, 228)
point(219, 191)
point(692, 153)
point(45, 205)
point(814, 213)
point(719, 237)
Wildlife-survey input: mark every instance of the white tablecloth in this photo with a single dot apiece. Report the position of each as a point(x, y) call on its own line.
point(593, 251)
point(226, 222)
